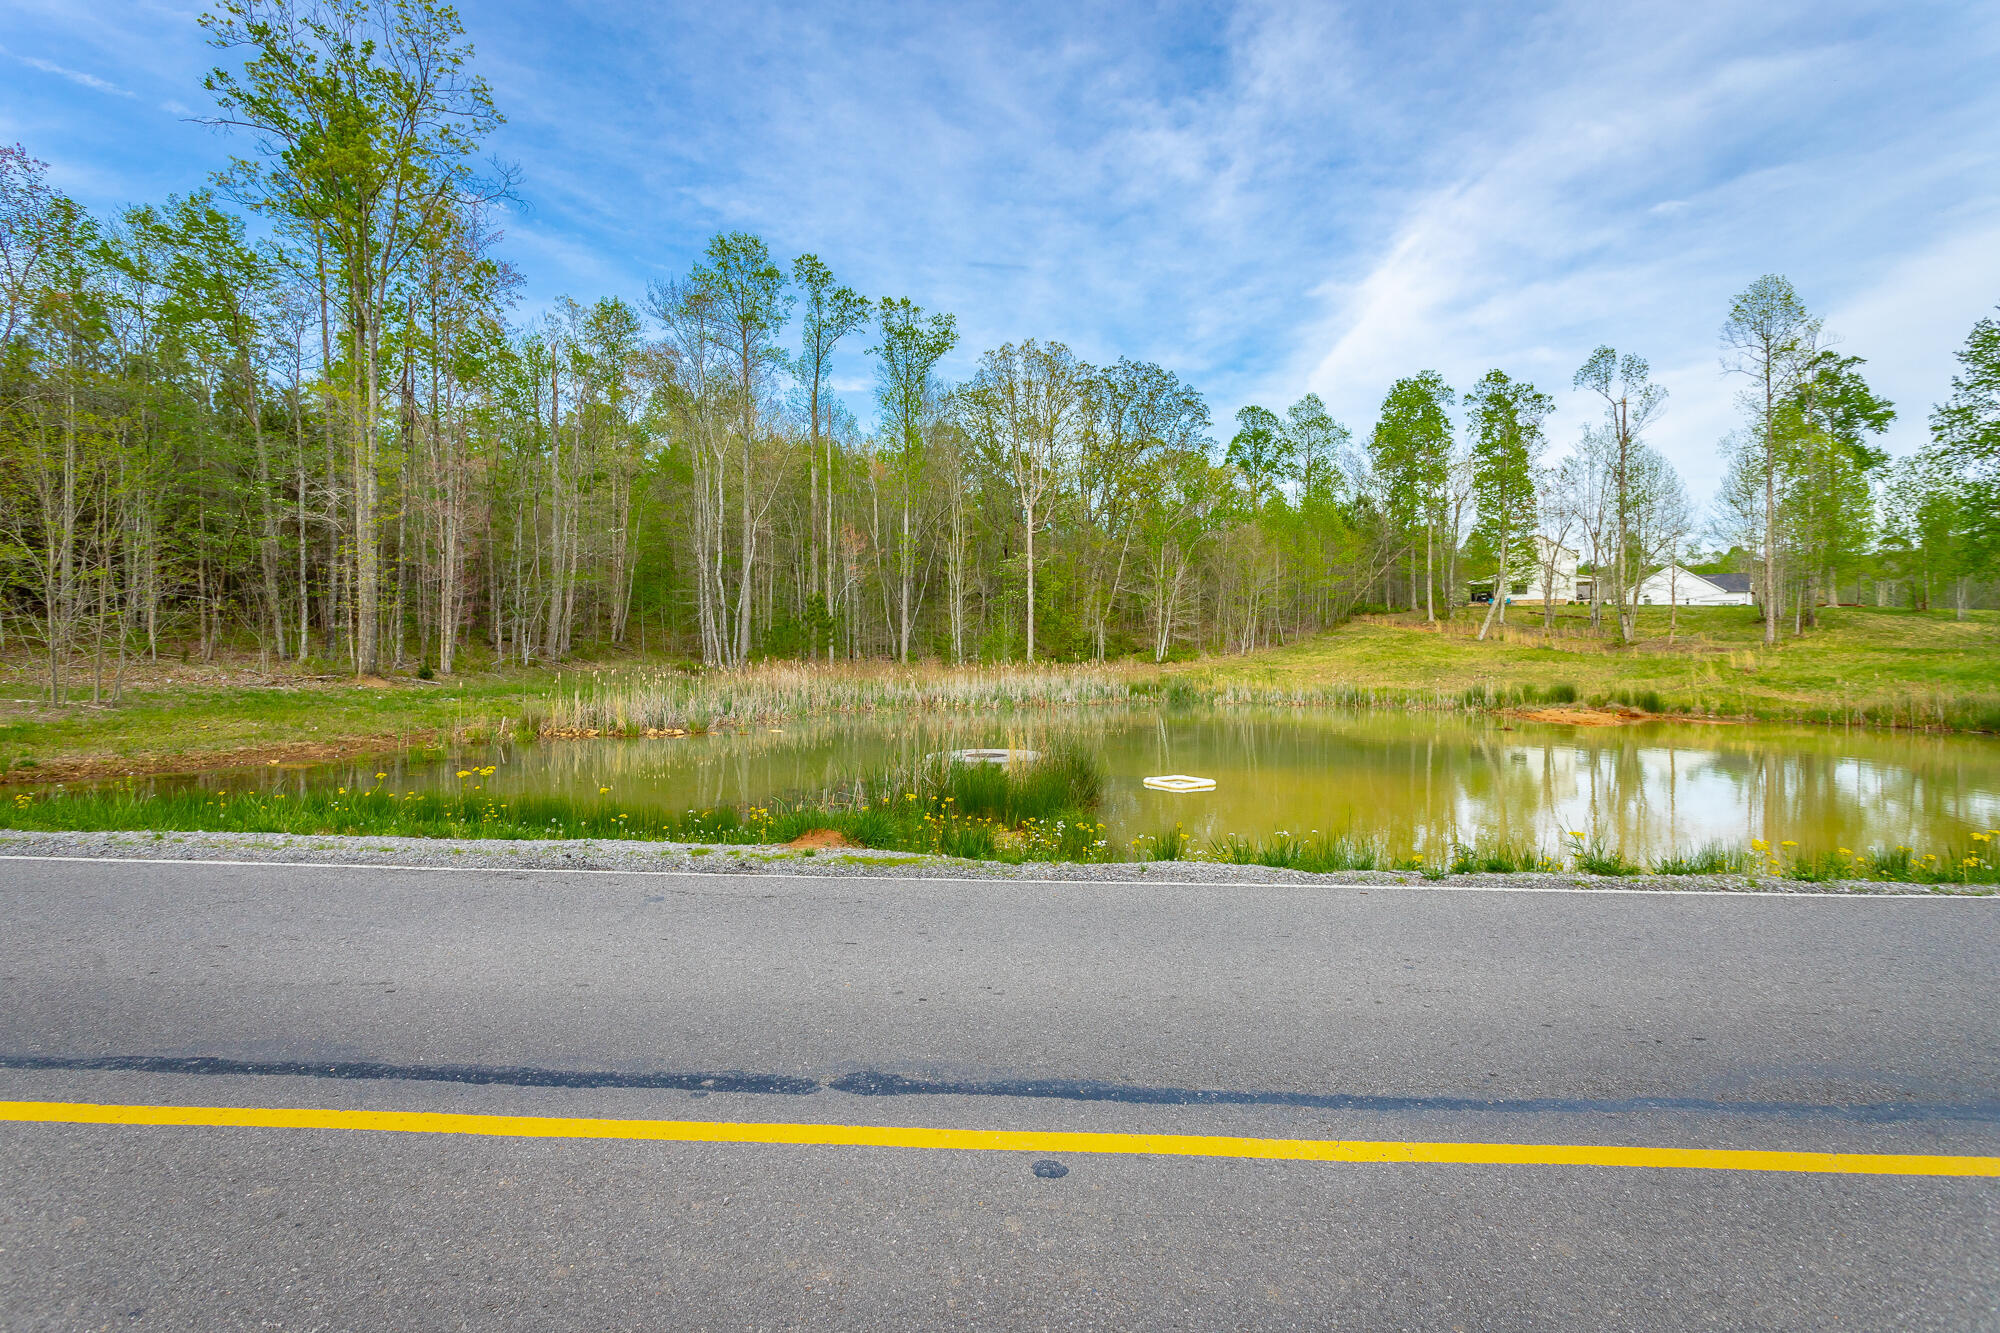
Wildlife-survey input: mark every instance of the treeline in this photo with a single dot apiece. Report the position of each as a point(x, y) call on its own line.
point(331, 440)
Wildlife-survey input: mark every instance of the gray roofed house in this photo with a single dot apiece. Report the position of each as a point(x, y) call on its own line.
point(1674, 585)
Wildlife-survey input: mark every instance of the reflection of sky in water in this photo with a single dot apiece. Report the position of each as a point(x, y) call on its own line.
point(1415, 779)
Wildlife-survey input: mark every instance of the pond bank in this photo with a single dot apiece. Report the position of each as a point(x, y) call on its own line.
point(624, 856)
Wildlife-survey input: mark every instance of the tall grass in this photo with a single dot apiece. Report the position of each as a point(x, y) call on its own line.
point(1975, 863)
point(1712, 859)
point(657, 702)
point(1594, 858)
point(1316, 853)
point(1067, 779)
point(663, 702)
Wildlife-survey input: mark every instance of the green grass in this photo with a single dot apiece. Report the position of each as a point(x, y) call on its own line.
point(1040, 811)
point(1594, 858)
point(1861, 666)
point(946, 816)
point(1713, 859)
point(207, 726)
point(1497, 858)
point(1318, 854)
point(1975, 863)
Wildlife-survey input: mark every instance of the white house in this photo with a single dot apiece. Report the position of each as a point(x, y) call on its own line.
point(1562, 588)
point(1665, 587)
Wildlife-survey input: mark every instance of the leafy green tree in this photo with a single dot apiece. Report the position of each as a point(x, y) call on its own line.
point(1631, 403)
point(1026, 408)
point(1504, 417)
point(749, 304)
point(1136, 410)
point(1966, 428)
point(1932, 517)
point(1262, 453)
point(912, 345)
point(1411, 451)
point(1828, 466)
point(366, 116)
point(1773, 340)
point(830, 314)
point(1319, 444)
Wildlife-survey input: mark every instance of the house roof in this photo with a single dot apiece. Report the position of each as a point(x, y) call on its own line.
point(1730, 583)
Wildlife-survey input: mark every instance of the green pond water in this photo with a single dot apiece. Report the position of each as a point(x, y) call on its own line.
point(1419, 781)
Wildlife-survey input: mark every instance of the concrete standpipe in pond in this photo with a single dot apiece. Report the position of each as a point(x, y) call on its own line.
point(1180, 782)
point(994, 756)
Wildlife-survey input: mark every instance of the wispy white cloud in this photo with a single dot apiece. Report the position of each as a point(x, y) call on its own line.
point(75, 76)
point(1268, 196)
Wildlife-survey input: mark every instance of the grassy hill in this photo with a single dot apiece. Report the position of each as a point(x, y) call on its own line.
point(1861, 665)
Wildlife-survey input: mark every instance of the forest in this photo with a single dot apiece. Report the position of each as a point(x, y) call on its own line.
point(295, 412)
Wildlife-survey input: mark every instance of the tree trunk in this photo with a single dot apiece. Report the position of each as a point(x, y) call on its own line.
point(1500, 587)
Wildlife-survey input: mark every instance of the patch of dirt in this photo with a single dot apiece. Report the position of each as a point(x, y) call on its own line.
point(292, 754)
point(815, 839)
point(1583, 717)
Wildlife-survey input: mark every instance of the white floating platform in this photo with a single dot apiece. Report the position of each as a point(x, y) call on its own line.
point(1180, 782)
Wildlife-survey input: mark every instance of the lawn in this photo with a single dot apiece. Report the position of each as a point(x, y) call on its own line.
point(208, 720)
point(1862, 665)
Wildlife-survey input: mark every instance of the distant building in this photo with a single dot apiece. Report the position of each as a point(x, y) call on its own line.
point(1562, 588)
point(1674, 585)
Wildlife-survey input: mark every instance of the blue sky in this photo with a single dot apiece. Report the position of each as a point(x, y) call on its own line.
point(1265, 198)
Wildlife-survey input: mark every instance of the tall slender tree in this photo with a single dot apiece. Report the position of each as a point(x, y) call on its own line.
point(1631, 403)
point(1411, 448)
point(1504, 417)
point(912, 345)
point(1771, 339)
point(830, 313)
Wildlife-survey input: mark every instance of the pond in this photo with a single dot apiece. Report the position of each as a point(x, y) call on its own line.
point(1415, 780)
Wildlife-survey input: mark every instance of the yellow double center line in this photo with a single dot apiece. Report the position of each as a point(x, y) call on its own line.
point(1000, 1140)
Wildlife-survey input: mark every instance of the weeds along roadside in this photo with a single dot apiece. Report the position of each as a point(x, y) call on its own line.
point(1040, 811)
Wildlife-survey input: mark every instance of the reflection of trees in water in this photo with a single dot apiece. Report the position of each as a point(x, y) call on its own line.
point(1414, 780)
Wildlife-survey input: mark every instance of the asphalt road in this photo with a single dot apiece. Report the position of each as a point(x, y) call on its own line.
point(1862, 1025)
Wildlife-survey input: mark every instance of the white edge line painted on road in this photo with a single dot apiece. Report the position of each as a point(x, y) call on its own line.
point(1007, 879)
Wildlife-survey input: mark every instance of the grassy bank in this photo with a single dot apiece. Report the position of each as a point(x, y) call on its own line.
point(1862, 666)
point(1040, 812)
point(1976, 862)
point(222, 719)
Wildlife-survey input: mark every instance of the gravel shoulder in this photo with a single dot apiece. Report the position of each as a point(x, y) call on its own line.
point(685, 858)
